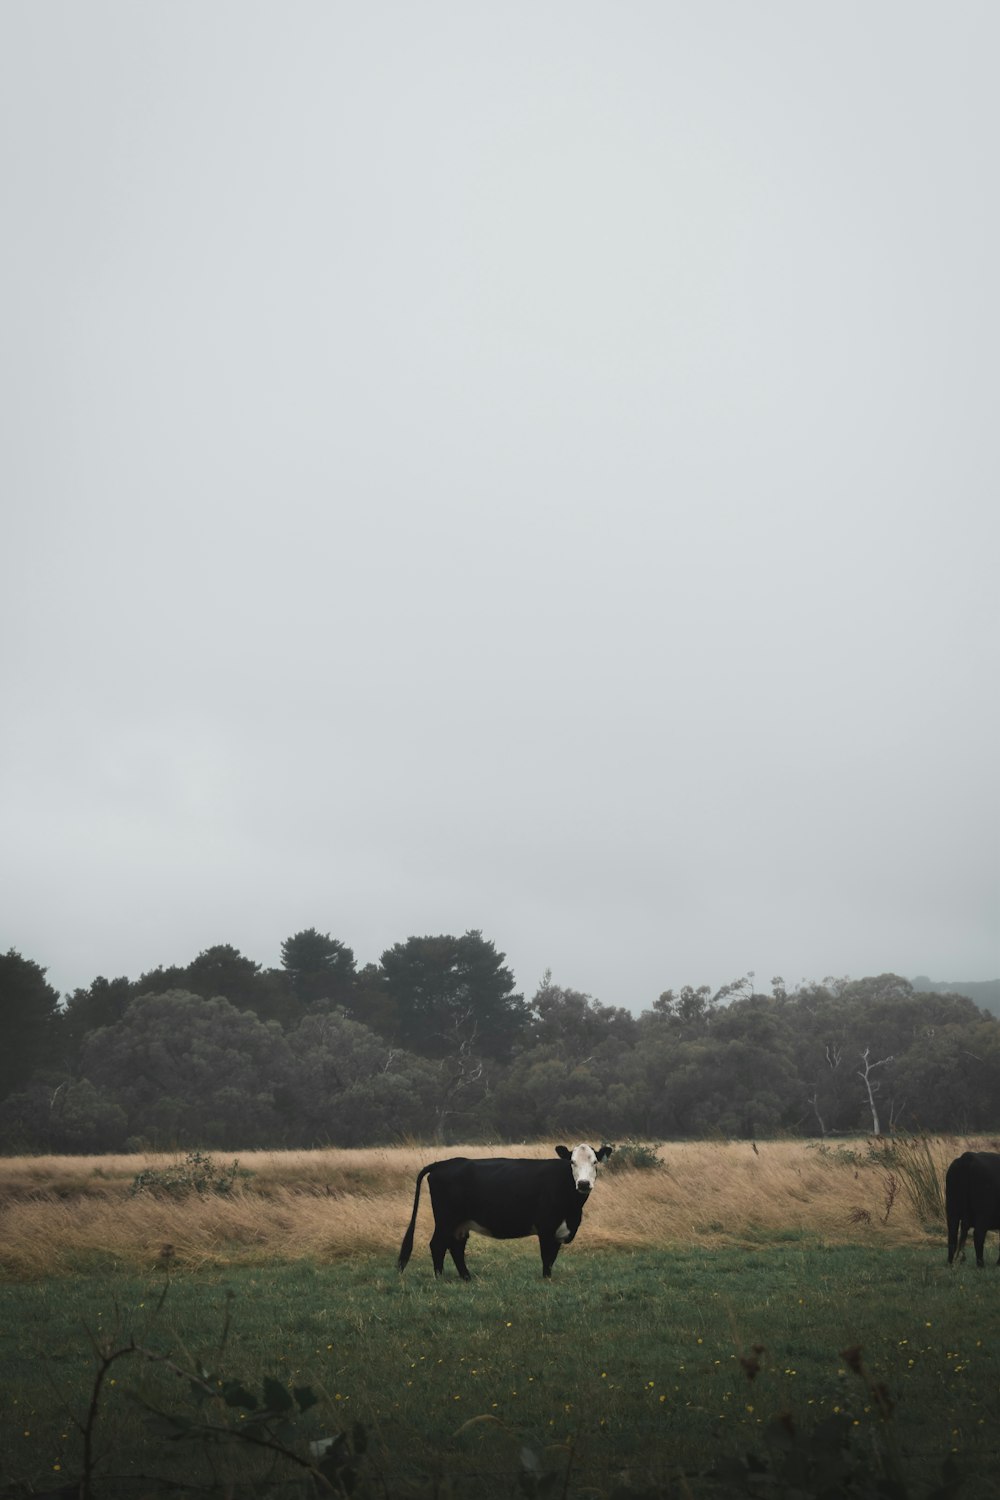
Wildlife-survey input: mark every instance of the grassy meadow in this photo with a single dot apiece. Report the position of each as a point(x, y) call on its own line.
point(708, 1308)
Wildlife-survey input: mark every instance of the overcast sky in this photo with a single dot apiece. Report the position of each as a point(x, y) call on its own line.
point(521, 466)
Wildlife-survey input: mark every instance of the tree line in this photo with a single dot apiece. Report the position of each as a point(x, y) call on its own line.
point(435, 1043)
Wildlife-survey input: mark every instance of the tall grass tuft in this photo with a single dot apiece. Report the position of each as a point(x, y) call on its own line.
point(912, 1159)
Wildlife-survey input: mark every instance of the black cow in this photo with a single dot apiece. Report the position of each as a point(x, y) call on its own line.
point(505, 1199)
point(972, 1199)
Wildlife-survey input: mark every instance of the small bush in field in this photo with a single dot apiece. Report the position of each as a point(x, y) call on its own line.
point(634, 1156)
point(845, 1156)
point(197, 1173)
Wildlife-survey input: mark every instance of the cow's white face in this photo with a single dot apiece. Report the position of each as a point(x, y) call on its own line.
point(583, 1162)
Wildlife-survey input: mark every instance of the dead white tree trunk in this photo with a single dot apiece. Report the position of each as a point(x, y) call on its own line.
point(458, 1074)
point(872, 1086)
point(833, 1055)
point(814, 1101)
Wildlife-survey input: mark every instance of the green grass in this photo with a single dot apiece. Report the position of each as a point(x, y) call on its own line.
point(633, 1359)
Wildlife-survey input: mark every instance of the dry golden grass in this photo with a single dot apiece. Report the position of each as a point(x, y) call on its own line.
point(59, 1213)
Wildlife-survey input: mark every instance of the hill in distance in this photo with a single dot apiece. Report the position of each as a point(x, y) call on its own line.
point(984, 992)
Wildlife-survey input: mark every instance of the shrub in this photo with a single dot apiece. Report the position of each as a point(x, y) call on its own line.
point(197, 1173)
point(845, 1156)
point(634, 1156)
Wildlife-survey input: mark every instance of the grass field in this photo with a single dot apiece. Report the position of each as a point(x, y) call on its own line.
point(698, 1304)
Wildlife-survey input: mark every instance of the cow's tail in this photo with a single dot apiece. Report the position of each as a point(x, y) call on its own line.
point(406, 1248)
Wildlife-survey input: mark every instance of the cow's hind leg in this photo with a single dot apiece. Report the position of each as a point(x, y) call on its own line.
point(447, 1242)
point(961, 1241)
point(979, 1240)
point(440, 1245)
point(457, 1249)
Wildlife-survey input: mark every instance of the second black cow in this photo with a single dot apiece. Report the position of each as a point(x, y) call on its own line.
point(507, 1199)
point(972, 1200)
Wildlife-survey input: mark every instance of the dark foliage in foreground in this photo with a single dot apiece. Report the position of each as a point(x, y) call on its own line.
point(214, 1431)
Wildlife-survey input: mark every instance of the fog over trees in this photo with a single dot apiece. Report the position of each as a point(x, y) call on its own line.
point(434, 1042)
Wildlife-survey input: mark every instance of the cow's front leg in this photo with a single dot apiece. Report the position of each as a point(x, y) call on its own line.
point(549, 1246)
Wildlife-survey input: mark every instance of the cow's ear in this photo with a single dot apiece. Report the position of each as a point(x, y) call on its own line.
point(564, 1152)
point(604, 1153)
